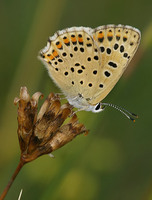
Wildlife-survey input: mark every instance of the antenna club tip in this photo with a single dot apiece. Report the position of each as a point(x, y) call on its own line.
point(135, 115)
point(133, 120)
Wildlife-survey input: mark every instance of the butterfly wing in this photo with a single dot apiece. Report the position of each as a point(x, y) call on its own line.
point(117, 46)
point(87, 63)
point(72, 60)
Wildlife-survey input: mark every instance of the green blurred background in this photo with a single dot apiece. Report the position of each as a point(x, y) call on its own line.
point(114, 162)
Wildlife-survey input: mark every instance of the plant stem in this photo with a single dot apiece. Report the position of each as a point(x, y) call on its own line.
point(19, 167)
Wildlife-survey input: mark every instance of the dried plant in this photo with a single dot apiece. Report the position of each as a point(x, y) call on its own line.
point(42, 132)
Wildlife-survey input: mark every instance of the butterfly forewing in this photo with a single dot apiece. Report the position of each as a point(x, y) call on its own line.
point(72, 59)
point(117, 45)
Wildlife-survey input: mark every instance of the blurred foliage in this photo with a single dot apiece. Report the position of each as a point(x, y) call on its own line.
point(115, 160)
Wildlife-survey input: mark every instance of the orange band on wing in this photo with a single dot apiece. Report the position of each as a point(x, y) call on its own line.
point(66, 40)
point(80, 39)
point(59, 46)
point(110, 34)
point(100, 35)
point(50, 56)
point(73, 39)
point(55, 54)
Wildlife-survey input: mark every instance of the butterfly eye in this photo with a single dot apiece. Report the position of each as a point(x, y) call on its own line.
point(97, 107)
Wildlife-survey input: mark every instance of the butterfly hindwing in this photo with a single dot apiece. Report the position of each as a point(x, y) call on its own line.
point(117, 45)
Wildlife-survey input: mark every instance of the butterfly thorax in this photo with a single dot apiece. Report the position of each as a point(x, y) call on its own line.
point(80, 102)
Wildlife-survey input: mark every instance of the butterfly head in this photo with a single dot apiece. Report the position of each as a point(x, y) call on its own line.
point(97, 108)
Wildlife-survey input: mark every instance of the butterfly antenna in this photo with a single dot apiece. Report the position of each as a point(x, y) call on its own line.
point(125, 112)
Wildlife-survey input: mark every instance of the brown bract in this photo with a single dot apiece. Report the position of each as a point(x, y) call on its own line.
point(42, 132)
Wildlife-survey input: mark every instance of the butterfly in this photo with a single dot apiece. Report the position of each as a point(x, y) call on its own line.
point(86, 63)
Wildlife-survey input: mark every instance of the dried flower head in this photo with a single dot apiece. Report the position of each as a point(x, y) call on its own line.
point(43, 132)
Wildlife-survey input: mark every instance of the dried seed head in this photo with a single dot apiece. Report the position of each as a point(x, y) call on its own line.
point(44, 132)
